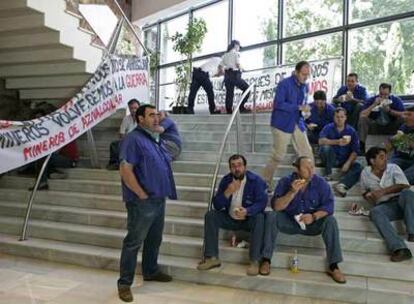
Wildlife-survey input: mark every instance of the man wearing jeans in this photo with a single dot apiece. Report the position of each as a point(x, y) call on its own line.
point(339, 147)
point(287, 121)
point(386, 187)
point(303, 203)
point(147, 180)
point(239, 204)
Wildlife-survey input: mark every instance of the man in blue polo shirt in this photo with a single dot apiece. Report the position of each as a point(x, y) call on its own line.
point(303, 203)
point(351, 97)
point(339, 147)
point(287, 121)
point(169, 133)
point(321, 114)
point(147, 179)
point(239, 204)
point(381, 114)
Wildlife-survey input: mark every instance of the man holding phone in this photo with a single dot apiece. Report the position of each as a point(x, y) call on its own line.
point(238, 205)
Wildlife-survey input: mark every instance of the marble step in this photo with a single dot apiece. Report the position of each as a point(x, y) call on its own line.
point(362, 264)
point(306, 283)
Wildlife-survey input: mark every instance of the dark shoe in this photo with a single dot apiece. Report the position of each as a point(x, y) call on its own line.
point(410, 238)
point(58, 175)
point(189, 111)
point(337, 276)
point(245, 111)
point(215, 112)
point(264, 268)
point(125, 294)
point(42, 186)
point(112, 167)
point(159, 277)
point(400, 255)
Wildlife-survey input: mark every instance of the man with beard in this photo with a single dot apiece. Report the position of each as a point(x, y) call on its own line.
point(239, 204)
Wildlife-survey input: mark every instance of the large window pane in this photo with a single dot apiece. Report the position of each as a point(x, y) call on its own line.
point(255, 21)
point(302, 17)
point(259, 58)
point(384, 53)
point(167, 96)
point(315, 48)
point(168, 29)
point(216, 18)
point(362, 10)
point(150, 38)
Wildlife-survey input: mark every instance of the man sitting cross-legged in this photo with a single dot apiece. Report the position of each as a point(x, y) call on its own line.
point(239, 204)
point(386, 186)
point(303, 203)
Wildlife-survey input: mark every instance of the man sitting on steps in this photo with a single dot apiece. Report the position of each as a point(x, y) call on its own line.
point(303, 203)
point(239, 204)
point(386, 187)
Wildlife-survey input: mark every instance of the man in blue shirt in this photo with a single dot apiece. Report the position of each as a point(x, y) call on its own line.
point(351, 97)
point(303, 203)
point(339, 147)
point(147, 179)
point(239, 204)
point(169, 134)
point(287, 122)
point(381, 114)
point(321, 114)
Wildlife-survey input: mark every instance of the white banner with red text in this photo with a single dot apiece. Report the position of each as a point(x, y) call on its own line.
point(117, 80)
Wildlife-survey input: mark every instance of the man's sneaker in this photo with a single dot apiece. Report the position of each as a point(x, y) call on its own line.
point(337, 276)
point(209, 263)
point(125, 294)
point(340, 189)
point(410, 238)
point(58, 175)
point(253, 269)
point(159, 277)
point(400, 255)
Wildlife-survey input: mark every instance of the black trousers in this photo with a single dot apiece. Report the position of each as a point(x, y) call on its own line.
point(232, 78)
point(201, 79)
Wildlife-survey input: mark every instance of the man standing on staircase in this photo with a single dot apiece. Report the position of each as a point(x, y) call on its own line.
point(287, 121)
point(147, 180)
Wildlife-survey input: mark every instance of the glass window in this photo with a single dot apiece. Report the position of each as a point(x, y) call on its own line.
point(362, 10)
point(255, 22)
point(259, 58)
point(150, 38)
point(168, 29)
point(167, 96)
point(216, 18)
point(167, 75)
point(315, 48)
point(384, 53)
point(302, 17)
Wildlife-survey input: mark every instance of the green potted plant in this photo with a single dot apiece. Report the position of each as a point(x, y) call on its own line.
point(186, 44)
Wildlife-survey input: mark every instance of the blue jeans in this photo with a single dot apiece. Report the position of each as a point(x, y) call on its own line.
point(397, 208)
point(329, 161)
point(214, 220)
point(114, 148)
point(407, 165)
point(145, 225)
point(281, 221)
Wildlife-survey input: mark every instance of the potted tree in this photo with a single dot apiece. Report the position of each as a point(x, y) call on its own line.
point(186, 44)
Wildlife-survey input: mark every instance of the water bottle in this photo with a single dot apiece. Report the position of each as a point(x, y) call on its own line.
point(294, 263)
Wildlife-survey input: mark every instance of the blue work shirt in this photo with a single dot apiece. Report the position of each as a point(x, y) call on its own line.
point(151, 165)
point(342, 152)
point(290, 95)
point(397, 105)
point(321, 118)
point(359, 92)
point(170, 131)
point(316, 196)
point(254, 194)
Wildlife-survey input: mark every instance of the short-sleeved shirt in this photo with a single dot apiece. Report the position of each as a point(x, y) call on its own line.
point(316, 196)
point(342, 152)
point(128, 124)
point(170, 131)
point(393, 175)
point(360, 92)
point(406, 153)
point(151, 166)
point(230, 60)
point(321, 118)
point(211, 66)
point(397, 105)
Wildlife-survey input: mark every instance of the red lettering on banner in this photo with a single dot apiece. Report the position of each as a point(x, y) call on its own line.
point(4, 124)
point(318, 85)
point(44, 146)
point(73, 131)
point(135, 80)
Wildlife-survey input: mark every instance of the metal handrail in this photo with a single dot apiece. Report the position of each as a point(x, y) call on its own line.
point(254, 122)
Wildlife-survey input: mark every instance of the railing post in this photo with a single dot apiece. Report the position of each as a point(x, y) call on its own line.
point(238, 133)
point(92, 149)
point(253, 130)
point(32, 197)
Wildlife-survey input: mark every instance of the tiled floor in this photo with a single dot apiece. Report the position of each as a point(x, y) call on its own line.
point(32, 281)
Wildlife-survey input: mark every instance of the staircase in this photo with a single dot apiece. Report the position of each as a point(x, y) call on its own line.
point(44, 53)
point(82, 220)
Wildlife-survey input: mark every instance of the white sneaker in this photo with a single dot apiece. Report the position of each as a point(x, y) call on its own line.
point(340, 189)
